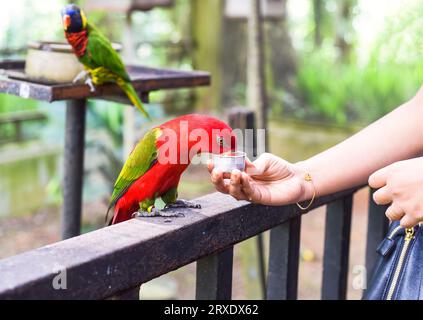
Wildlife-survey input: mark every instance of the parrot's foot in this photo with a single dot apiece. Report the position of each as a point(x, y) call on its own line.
point(181, 203)
point(89, 82)
point(82, 75)
point(157, 213)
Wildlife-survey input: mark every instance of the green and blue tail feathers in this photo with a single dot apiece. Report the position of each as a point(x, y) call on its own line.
point(133, 96)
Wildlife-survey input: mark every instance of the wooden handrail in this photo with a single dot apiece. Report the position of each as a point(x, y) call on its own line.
point(22, 116)
point(102, 263)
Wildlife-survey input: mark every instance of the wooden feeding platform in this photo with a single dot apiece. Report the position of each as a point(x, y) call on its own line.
point(144, 79)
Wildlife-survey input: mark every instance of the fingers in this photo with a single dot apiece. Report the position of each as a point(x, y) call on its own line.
point(382, 196)
point(235, 186)
point(217, 179)
point(394, 212)
point(257, 167)
point(210, 165)
point(238, 186)
point(378, 178)
point(250, 193)
point(409, 221)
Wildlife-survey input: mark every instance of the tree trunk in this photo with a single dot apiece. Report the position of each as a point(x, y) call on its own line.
point(283, 59)
point(129, 55)
point(317, 15)
point(257, 98)
point(207, 33)
point(343, 27)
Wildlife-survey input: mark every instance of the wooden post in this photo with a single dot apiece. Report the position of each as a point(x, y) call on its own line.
point(73, 167)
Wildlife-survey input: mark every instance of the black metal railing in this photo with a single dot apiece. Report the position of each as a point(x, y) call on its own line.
point(114, 260)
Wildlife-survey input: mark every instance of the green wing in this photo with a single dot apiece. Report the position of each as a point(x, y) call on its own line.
point(100, 53)
point(139, 162)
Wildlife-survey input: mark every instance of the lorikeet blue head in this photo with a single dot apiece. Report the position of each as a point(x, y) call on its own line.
point(73, 18)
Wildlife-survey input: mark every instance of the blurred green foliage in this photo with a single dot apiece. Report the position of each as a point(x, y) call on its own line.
point(9, 104)
point(365, 89)
point(350, 92)
point(330, 87)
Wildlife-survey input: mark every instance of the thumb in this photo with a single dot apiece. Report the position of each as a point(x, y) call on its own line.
point(258, 167)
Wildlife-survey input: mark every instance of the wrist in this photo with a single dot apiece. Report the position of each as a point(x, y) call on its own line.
point(307, 182)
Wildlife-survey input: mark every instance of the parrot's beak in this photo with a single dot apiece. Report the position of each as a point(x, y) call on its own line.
point(66, 21)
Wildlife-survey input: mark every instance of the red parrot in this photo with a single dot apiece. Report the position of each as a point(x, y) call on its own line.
point(154, 167)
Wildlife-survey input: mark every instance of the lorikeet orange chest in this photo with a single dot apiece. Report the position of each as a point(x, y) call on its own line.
point(78, 41)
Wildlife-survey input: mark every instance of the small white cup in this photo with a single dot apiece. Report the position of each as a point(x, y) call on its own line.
point(229, 161)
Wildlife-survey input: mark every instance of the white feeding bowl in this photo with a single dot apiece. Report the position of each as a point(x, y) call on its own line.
point(53, 62)
point(229, 161)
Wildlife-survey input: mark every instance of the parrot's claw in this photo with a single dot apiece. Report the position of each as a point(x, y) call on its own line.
point(181, 203)
point(89, 82)
point(83, 74)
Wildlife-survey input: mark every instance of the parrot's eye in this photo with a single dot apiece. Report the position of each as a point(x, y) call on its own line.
point(220, 141)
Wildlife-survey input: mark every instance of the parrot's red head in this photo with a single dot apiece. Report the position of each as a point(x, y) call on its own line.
point(195, 133)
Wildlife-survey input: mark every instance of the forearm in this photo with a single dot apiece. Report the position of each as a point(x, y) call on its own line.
point(397, 136)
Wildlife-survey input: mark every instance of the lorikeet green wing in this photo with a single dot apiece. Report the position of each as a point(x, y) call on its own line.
point(141, 159)
point(100, 53)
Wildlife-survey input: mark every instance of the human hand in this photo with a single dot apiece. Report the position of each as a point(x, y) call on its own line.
point(401, 185)
point(269, 180)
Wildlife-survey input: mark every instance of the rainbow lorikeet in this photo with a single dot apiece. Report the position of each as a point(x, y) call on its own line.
point(102, 63)
point(156, 164)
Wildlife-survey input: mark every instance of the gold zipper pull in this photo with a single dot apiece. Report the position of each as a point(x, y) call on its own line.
point(409, 234)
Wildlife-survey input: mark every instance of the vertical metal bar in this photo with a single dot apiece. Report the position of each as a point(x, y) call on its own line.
point(73, 167)
point(244, 118)
point(337, 246)
point(145, 97)
point(214, 276)
point(18, 131)
point(261, 263)
point(377, 227)
point(129, 294)
point(282, 279)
